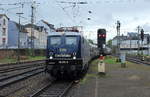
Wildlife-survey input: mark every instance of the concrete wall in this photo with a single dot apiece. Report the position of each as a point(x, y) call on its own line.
point(12, 53)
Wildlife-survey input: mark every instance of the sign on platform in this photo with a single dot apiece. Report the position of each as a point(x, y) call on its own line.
point(123, 59)
point(101, 67)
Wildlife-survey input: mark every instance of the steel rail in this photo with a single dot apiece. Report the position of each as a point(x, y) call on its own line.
point(20, 73)
point(66, 90)
point(25, 62)
point(39, 91)
point(135, 60)
point(4, 70)
point(10, 81)
point(54, 91)
point(138, 61)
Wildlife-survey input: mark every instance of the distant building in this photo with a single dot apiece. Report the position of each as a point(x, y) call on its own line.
point(131, 42)
point(13, 32)
point(3, 30)
point(47, 26)
point(39, 38)
point(115, 39)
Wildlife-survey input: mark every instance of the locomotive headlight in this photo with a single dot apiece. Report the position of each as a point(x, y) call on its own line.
point(74, 57)
point(50, 57)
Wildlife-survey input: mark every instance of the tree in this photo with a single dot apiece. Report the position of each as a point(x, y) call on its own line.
point(90, 41)
point(109, 43)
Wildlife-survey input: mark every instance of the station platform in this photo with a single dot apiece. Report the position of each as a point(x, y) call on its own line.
point(132, 81)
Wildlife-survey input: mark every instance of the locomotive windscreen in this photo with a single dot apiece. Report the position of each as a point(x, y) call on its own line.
point(55, 40)
point(70, 40)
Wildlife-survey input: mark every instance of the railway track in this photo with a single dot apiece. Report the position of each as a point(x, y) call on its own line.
point(54, 89)
point(13, 67)
point(16, 78)
point(136, 60)
point(16, 73)
point(21, 63)
point(5, 70)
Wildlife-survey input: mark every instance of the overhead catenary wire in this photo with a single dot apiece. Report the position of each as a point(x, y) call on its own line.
point(72, 20)
point(14, 14)
point(20, 6)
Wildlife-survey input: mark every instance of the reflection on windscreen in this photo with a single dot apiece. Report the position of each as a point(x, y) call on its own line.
point(55, 40)
point(71, 40)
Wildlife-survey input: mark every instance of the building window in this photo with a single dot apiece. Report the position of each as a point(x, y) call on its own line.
point(4, 22)
point(4, 31)
point(4, 41)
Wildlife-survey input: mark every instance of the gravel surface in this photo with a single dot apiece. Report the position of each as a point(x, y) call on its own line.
point(26, 87)
point(7, 74)
point(133, 81)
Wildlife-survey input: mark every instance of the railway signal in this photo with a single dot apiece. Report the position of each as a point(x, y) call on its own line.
point(101, 39)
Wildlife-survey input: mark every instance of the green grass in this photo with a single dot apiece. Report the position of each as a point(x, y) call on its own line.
point(129, 65)
point(27, 58)
point(7, 60)
point(36, 58)
point(111, 60)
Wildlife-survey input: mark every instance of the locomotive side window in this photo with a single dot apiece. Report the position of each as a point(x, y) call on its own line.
point(55, 40)
point(71, 40)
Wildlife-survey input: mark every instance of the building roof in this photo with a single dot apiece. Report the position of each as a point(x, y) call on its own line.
point(1, 15)
point(22, 27)
point(131, 36)
point(39, 28)
point(121, 37)
point(30, 25)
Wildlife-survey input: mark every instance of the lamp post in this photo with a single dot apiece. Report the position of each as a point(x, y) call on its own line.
point(148, 41)
point(138, 28)
point(118, 38)
point(18, 51)
point(142, 38)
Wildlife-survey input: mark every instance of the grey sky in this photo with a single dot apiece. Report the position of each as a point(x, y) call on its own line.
point(105, 13)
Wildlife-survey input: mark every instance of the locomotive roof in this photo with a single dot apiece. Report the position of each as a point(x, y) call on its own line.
point(64, 33)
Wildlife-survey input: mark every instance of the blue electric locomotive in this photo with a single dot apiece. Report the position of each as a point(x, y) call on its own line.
point(68, 54)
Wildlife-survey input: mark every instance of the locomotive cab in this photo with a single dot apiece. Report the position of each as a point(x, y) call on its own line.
point(64, 54)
